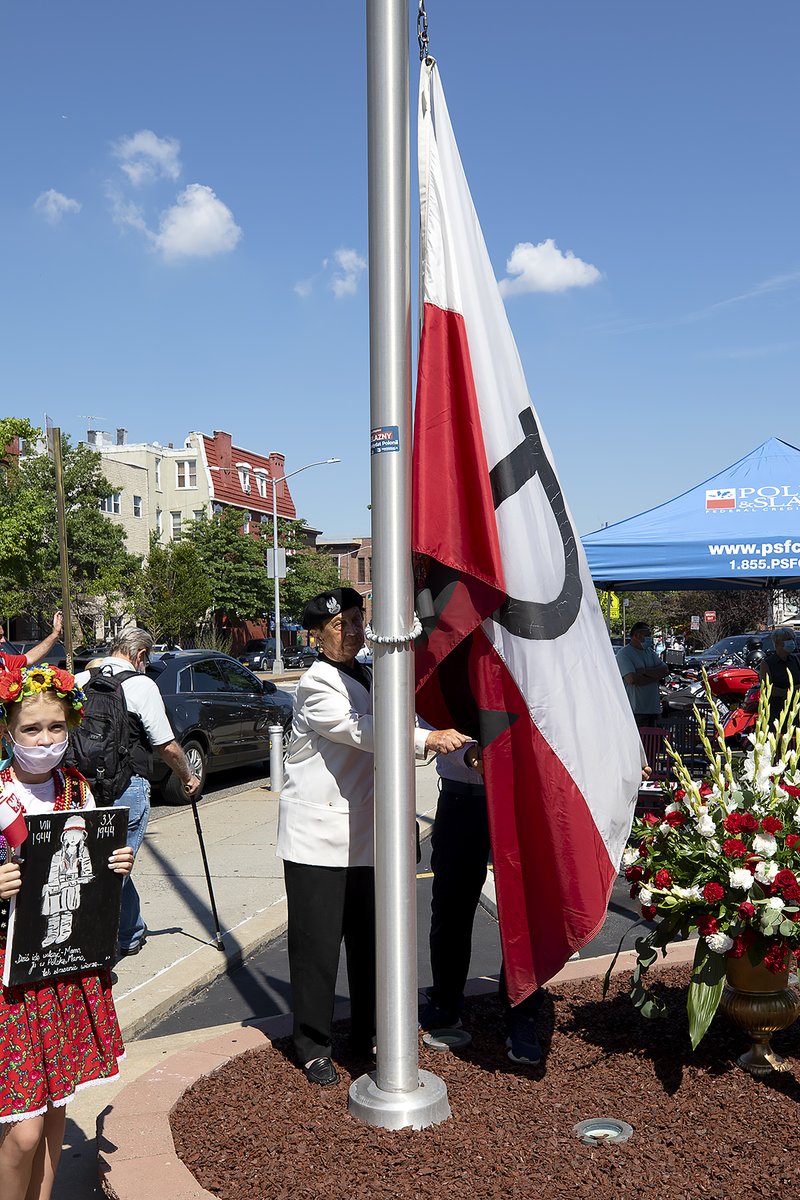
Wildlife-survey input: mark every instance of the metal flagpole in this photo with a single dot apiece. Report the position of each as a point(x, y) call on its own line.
point(54, 442)
point(398, 1094)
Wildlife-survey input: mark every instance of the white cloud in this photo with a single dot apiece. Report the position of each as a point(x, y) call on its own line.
point(144, 157)
point(304, 287)
point(52, 205)
point(544, 268)
point(198, 225)
point(349, 267)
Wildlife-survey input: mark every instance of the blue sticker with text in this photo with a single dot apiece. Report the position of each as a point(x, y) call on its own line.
point(384, 438)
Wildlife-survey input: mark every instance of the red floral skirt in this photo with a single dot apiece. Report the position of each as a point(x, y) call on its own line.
point(55, 1037)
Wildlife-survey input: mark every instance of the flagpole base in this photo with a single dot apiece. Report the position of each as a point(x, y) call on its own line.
point(427, 1105)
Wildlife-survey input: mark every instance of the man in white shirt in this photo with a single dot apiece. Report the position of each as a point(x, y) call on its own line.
point(131, 651)
point(642, 670)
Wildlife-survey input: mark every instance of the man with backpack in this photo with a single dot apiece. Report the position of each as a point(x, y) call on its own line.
point(124, 722)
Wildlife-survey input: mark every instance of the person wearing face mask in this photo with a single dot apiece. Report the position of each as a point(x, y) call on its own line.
point(59, 1034)
point(325, 833)
point(642, 670)
point(150, 731)
point(779, 666)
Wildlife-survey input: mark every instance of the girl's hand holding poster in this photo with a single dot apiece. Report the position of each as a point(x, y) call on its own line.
point(66, 916)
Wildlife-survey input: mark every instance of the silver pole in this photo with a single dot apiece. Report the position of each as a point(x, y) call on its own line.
point(275, 758)
point(277, 666)
point(399, 1094)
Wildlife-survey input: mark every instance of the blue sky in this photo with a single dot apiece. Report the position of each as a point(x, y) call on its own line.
point(208, 273)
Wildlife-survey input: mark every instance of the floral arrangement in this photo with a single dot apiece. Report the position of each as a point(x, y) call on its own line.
point(20, 682)
point(723, 859)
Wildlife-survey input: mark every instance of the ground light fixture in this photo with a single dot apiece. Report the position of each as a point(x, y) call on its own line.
point(603, 1131)
point(446, 1039)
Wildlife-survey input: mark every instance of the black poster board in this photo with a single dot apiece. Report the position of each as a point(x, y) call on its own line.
point(65, 918)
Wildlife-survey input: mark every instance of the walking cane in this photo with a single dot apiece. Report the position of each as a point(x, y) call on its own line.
point(199, 828)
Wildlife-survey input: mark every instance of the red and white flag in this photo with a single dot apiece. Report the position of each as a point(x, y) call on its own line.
point(12, 819)
point(514, 646)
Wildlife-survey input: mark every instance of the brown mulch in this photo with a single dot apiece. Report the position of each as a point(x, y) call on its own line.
point(255, 1130)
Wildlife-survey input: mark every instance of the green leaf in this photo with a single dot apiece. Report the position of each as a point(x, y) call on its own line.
point(787, 929)
point(705, 990)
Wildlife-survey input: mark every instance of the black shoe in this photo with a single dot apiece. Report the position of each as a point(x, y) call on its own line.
point(431, 1016)
point(322, 1072)
point(523, 1043)
point(129, 951)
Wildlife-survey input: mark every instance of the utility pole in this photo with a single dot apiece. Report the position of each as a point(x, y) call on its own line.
point(54, 451)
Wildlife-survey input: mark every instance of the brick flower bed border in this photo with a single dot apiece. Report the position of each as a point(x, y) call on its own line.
point(135, 1152)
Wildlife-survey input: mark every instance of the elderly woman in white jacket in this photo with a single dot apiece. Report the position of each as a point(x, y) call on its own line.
point(325, 832)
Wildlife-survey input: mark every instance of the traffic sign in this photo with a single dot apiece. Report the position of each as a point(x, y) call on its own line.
point(710, 616)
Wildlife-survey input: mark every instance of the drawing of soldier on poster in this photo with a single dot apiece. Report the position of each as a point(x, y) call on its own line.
point(70, 870)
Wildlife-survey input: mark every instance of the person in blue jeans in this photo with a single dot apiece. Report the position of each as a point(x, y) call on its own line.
point(460, 853)
point(150, 732)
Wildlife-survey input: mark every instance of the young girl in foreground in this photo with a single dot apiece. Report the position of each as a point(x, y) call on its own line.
point(62, 1033)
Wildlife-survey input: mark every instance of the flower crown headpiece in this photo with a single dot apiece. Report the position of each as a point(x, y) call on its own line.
point(20, 682)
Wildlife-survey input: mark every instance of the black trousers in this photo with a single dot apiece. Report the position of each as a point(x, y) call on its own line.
point(460, 851)
point(327, 905)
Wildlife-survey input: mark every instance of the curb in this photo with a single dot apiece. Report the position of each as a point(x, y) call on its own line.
point(135, 1152)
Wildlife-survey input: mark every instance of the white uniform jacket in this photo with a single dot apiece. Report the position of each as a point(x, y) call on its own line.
point(325, 815)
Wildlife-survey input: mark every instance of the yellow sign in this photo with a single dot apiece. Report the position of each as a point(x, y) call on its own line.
point(616, 611)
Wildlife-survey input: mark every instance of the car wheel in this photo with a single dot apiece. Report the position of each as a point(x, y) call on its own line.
point(173, 788)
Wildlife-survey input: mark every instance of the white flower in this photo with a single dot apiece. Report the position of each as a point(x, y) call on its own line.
point(692, 893)
point(797, 814)
point(664, 828)
point(705, 826)
point(764, 843)
point(713, 848)
point(645, 896)
point(776, 903)
point(741, 878)
point(672, 808)
point(766, 871)
point(720, 943)
point(630, 856)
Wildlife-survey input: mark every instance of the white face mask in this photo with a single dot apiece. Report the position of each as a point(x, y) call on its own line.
point(38, 759)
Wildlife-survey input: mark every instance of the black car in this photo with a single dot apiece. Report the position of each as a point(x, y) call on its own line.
point(219, 711)
point(300, 656)
point(258, 654)
point(728, 647)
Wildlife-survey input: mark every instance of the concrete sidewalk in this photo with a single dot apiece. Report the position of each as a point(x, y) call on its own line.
point(181, 953)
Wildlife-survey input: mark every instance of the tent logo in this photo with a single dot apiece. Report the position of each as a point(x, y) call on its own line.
point(721, 498)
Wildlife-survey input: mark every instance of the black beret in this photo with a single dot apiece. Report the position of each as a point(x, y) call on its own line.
point(328, 604)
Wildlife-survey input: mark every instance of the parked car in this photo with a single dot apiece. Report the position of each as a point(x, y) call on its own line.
point(728, 647)
point(56, 658)
point(258, 654)
point(220, 713)
point(300, 656)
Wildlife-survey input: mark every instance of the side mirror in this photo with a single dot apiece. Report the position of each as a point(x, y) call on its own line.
point(268, 687)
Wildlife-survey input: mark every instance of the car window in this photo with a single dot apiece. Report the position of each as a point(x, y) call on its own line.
point(238, 679)
point(254, 644)
point(185, 680)
point(207, 677)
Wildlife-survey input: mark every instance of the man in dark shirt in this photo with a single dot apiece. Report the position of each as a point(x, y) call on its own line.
point(779, 667)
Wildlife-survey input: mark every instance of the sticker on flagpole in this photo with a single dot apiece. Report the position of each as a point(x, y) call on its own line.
point(384, 438)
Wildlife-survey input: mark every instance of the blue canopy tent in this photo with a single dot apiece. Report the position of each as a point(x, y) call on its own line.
point(739, 529)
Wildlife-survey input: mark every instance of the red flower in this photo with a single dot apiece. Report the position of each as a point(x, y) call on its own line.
point(64, 682)
point(733, 822)
point(746, 909)
point(793, 791)
point(651, 819)
point(776, 957)
point(786, 883)
point(675, 819)
point(713, 892)
point(649, 911)
point(792, 839)
point(663, 878)
point(705, 789)
point(734, 848)
point(706, 925)
point(679, 794)
point(633, 873)
point(10, 685)
point(643, 849)
point(749, 823)
point(740, 944)
point(635, 889)
point(771, 824)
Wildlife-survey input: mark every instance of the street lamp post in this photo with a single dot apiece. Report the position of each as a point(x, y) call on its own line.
point(277, 666)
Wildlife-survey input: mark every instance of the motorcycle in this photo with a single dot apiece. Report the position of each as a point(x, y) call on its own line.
point(741, 722)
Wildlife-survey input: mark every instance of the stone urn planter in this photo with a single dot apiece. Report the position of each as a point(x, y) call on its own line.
point(760, 1002)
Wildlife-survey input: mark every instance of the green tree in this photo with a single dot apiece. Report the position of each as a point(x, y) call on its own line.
point(308, 572)
point(174, 592)
point(101, 569)
point(234, 565)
